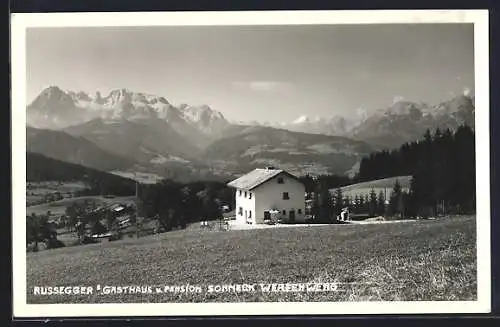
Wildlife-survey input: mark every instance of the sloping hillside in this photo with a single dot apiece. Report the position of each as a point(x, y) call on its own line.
point(42, 168)
point(385, 185)
point(62, 146)
point(300, 153)
point(427, 260)
point(145, 141)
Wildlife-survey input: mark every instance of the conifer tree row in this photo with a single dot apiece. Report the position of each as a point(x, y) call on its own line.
point(442, 166)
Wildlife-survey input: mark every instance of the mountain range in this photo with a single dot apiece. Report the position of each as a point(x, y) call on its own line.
point(401, 122)
point(75, 150)
point(56, 109)
point(129, 131)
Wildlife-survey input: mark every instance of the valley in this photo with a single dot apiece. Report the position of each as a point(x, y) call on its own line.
point(49, 191)
point(299, 153)
point(136, 134)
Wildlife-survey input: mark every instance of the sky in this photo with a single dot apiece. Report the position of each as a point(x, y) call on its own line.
point(262, 73)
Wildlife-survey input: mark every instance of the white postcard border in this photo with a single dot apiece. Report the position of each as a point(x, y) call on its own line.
point(19, 23)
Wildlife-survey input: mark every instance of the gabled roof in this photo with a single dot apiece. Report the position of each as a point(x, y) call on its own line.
point(257, 177)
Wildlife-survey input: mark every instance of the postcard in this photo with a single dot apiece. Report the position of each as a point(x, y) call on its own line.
point(250, 163)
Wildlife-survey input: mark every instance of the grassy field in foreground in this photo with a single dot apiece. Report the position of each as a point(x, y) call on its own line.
point(421, 260)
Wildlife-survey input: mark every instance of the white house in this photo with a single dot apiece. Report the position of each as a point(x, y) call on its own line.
point(269, 194)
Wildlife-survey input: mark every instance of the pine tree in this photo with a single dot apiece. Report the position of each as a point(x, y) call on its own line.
point(338, 201)
point(367, 203)
point(395, 202)
point(381, 203)
point(347, 202)
point(465, 169)
point(325, 203)
point(315, 205)
point(357, 204)
point(404, 204)
point(413, 206)
point(361, 207)
point(421, 199)
point(211, 209)
point(308, 182)
point(442, 166)
point(372, 208)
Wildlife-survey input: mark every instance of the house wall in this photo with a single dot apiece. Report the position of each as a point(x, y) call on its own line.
point(269, 196)
point(247, 205)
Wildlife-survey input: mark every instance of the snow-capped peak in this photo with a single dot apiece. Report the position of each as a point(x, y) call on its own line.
point(122, 103)
point(302, 119)
point(202, 114)
point(317, 119)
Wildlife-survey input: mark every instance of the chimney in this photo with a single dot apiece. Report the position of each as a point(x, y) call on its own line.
point(270, 168)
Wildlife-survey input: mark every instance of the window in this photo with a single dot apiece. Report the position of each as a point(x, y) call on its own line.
point(249, 195)
point(280, 180)
point(285, 196)
point(245, 194)
point(299, 211)
point(240, 192)
point(240, 211)
point(250, 214)
point(284, 212)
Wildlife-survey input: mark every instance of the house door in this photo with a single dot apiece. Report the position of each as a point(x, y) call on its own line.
point(292, 215)
point(267, 215)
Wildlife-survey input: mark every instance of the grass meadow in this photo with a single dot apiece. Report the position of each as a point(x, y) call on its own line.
point(385, 185)
point(415, 261)
point(36, 191)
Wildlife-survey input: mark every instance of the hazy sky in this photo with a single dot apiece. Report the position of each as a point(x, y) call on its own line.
point(265, 73)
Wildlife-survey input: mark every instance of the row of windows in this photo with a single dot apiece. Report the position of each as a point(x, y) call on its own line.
point(285, 195)
point(248, 213)
point(246, 193)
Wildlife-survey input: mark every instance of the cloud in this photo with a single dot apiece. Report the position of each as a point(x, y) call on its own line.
point(263, 86)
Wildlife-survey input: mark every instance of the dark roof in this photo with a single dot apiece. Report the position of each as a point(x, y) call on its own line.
point(257, 177)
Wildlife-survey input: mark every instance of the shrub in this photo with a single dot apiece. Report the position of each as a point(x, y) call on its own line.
point(33, 247)
point(54, 244)
point(88, 240)
point(115, 237)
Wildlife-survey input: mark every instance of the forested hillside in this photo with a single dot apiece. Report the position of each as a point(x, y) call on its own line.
point(442, 165)
point(41, 168)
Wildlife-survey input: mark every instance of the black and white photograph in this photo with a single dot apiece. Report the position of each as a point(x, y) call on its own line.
point(250, 163)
